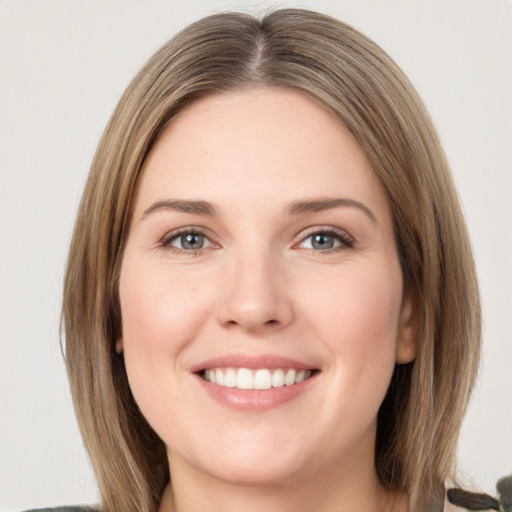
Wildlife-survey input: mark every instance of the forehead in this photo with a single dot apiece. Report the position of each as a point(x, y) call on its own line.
point(263, 142)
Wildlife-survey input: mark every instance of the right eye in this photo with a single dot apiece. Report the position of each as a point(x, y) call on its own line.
point(187, 241)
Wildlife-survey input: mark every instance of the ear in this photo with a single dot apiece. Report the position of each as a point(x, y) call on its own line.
point(407, 342)
point(119, 346)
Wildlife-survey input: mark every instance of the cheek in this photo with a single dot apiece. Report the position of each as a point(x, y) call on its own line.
point(161, 313)
point(159, 310)
point(358, 316)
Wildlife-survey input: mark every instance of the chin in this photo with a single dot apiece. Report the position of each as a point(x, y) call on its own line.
point(250, 472)
point(249, 460)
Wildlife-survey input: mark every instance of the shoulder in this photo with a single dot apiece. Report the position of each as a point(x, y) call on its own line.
point(73, 508)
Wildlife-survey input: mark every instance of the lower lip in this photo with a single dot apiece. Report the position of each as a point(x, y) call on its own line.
point(255, 399)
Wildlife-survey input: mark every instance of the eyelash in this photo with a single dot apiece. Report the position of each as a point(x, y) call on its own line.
point(345, 240)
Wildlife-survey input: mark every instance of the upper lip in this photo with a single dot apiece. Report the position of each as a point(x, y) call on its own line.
point(251, 362)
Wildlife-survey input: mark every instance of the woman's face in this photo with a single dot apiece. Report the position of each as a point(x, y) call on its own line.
point(261, 294)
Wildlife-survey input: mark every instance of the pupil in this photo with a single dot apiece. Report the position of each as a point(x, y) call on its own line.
point(323, 241)
point(191, 241)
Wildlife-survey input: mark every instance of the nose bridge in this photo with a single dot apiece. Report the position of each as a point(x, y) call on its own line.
point(255, 297)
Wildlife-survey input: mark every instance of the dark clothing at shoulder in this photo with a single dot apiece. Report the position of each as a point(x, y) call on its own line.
point(74, 508)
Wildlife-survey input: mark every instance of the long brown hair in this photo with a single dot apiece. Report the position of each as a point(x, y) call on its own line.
point(419, 421)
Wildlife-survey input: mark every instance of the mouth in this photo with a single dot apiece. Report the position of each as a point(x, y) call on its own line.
point(254, 383)
point(256, 379)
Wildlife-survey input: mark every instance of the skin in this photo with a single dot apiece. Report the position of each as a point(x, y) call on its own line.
point(260, 286)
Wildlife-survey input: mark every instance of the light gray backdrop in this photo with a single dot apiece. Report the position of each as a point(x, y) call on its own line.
point(63, 66)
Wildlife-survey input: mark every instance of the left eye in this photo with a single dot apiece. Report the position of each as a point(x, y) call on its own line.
point(323, 241)
point(189, 241)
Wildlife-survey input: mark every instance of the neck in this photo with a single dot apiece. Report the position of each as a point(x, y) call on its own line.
point(333, 490)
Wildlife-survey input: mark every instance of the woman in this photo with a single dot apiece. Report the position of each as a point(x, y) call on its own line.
point(270, 300)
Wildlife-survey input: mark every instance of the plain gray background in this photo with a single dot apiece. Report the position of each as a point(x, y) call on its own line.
point(64, 65)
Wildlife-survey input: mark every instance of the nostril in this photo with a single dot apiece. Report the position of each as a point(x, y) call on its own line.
point(268, 323)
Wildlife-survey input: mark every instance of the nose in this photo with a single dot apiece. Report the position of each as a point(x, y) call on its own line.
point(255, 298)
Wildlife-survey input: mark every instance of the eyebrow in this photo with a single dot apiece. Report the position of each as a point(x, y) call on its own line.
point(297, 207)
point(180, 205)
point(318, 205)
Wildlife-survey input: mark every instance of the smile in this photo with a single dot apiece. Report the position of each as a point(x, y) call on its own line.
point(261, 378)
point(254, 382)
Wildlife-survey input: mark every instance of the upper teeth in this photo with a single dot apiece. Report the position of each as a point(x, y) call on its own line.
point(244, 378)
